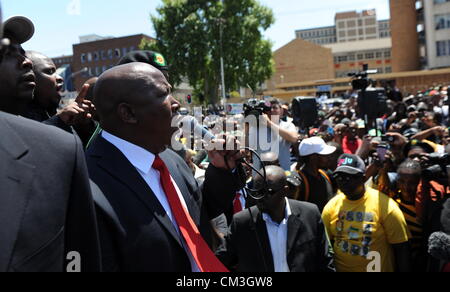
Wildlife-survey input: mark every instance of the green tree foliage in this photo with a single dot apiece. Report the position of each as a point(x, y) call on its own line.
point(188, 35)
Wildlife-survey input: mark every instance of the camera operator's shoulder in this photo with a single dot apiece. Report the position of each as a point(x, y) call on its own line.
point(245, 216)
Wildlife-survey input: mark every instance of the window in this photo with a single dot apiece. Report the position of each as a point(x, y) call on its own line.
point(371, 21)
point(342, 59)
point(361, 31)
point(360, 56)
point(441, 48)
point(351, 23)
point(387, 54)
point(124, 51)
point(442, 21)
point(369, 55)
point(89, 57)
point(352, 33)
point(96, 56)
point(117, 53)
point(341, 24)
point(83, 58)
point(360, 22)
point(351, 57)
point(388, 70)
point(110, 54)
point(379, 55)
point(103, 55)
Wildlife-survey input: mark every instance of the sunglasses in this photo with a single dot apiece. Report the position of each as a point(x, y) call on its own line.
point(346, 178)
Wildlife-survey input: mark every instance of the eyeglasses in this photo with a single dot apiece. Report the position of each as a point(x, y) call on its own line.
point(346, 178)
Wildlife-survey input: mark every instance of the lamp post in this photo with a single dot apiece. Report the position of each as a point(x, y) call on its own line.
point(222, 69)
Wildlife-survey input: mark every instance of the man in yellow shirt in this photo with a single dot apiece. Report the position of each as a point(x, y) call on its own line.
point(366, 227)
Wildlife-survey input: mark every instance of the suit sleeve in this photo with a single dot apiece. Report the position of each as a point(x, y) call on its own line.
point(227, 252)
point(81, 225)
point(326, 256)
point(219, 189)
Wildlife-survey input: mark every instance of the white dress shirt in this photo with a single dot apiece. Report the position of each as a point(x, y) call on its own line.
point(143, 160)
point(278, 239)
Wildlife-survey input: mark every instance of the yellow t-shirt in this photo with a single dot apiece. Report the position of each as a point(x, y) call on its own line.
point(373, 223)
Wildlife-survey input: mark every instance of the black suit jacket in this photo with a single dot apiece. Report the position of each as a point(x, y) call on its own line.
point(135, 232)
point(46, 207)
point(247, 248)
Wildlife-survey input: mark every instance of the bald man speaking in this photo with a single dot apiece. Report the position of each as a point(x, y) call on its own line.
point(153, 216)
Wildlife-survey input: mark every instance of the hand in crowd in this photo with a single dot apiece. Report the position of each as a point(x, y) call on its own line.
point(78, 112)
point(225, 152)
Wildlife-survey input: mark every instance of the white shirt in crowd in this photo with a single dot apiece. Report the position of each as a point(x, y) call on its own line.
point(143, 160)
point(278, 239)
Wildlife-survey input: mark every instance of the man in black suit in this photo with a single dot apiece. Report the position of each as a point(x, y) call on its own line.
point(139, 220)
point(46, 207)
point(277, 235)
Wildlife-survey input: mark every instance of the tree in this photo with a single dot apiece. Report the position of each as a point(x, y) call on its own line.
point(188, 35)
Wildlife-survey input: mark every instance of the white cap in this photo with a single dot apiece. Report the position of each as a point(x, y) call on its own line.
point(19, 27)
point(315, 145)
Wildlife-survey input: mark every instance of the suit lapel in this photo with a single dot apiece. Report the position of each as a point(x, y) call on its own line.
point(262, 238)
point(111, 160)
point(294, 227)
point(16, 178)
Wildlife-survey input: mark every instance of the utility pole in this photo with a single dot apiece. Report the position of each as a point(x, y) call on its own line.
point(222, 69)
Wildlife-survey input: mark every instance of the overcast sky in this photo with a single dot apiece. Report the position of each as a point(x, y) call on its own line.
point(59, 24)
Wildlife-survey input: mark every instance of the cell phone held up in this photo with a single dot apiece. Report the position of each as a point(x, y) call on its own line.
point(388, 139)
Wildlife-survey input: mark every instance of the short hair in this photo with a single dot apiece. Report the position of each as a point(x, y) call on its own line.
point(275, 101)
point(410, 164)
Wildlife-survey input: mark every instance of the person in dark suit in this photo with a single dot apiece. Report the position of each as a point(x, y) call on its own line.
point(277, 235)
point(46, 207)
point(145, 184)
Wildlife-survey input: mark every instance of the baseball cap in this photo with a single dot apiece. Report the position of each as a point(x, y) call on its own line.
point(315, 145)
point(350, 164)
point(153, 58)
point(20, 28)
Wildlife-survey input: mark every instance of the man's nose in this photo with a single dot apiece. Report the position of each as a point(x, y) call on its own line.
point(27, 64)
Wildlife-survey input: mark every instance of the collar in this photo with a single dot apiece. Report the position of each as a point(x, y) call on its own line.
point(266, 217)
point(138, 156)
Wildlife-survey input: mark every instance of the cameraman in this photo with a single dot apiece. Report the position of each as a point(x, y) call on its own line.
point(276, 131)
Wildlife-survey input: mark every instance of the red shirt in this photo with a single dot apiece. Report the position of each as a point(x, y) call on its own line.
point(351, 146)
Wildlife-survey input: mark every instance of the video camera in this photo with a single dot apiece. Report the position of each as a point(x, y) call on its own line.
point(372, 102)
point(437, 167)
point(256, 107)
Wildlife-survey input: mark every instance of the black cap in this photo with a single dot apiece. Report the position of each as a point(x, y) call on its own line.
point(153, 58)
point(350, 164)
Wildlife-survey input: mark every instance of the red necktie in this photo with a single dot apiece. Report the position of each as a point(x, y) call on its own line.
point(203, 255)
point(237, 206)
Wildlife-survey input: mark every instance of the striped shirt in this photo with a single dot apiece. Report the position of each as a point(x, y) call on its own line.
point(415, 227)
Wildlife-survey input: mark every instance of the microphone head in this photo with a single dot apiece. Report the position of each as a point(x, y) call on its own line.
point(439, 246)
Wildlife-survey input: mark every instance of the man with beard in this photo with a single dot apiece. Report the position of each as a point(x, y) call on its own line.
point(46, 204)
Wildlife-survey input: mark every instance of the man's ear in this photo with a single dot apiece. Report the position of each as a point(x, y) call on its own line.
point(127, 113)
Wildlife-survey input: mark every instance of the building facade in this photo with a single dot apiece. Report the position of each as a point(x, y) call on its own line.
point(301, 60)
point(437, 32)
point(349, 57)
point(91, 59)
point(349, 26)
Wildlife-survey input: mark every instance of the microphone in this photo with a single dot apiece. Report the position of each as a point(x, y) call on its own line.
point(188, 124)
point(439, 246)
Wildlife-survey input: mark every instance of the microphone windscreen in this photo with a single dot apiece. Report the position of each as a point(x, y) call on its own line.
point(439, 246)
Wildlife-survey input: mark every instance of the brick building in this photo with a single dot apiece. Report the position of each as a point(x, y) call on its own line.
point(95, 57)
point(301, 60)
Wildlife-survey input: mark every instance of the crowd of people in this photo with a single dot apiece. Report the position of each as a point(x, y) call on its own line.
point(111, 178)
